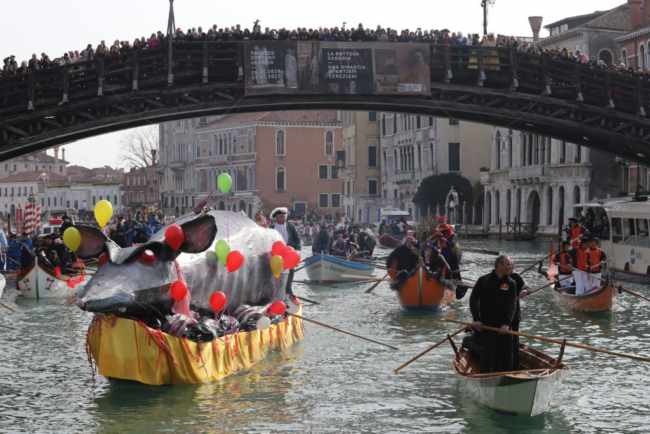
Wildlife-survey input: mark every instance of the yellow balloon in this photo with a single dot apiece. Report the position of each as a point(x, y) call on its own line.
point(277, 265)
point(103, 212)
point(72, 238)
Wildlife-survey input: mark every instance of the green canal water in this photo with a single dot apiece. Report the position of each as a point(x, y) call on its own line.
point(330, 383)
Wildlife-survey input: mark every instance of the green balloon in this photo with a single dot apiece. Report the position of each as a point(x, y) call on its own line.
point(222, 251)
point(224, 182)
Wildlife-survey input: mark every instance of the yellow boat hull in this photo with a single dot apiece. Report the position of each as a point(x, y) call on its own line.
point(129, 350)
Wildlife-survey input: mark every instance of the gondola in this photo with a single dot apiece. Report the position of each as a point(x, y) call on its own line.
point(329, 268)
point(124, 349)
point(601, 299)
point(422, 291)
point(41, 280)
point(527, 392)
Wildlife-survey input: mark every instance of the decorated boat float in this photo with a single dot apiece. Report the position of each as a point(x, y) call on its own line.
point(186, 308)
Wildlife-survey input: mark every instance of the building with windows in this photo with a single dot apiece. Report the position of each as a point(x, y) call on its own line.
point(415, 147)
point(39, 162)
point(361, 173)
point(141, 187)
point(274, 158)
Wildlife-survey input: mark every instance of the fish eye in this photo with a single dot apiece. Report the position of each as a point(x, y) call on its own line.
point(148, 257)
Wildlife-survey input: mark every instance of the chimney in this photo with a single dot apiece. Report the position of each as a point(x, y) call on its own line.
point(56, 152)
point(636, 17)
point(63, 154)
point(536, 26)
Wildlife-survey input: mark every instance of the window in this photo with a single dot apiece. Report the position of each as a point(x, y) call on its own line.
point(617, 230)
point(510, 148)
point(629, 229)
point(578, 154)
point(334, 172)
point(280, 182)
point(323, 200)
point(372, 156)
point(322, 172)
point(279, 143)
point(497, 143)
point(329, 143)
point(336, 200)
point(563, 152)
point(453, 121)
point(372, 116)
point(430, 121)
point(372, 187)
point(383, 125)
point(454, 157)
point(418, 122)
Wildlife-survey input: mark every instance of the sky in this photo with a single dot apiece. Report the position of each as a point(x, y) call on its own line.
point(35, 26)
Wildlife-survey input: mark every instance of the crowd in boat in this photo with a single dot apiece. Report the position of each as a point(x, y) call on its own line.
point(345, 241)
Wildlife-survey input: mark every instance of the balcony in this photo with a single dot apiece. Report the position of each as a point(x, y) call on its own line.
point(527, 175)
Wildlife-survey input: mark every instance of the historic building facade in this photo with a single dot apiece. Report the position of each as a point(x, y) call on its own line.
point(274, 158)
point(361, 173)
point(141, 187)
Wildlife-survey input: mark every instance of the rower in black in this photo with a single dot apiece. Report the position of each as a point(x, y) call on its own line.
point(494, 303)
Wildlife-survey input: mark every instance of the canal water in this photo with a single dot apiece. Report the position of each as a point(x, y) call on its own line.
point(331, 383)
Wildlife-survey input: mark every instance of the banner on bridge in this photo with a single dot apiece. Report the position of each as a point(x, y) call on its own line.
point(339, 68)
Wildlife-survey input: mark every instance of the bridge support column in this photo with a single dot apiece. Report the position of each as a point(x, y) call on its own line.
point(170, 61)
point(579, 97)
point(481, 67)
point(608, 89)
point(30, 91)
point(205, 63)
point(547, 79)
point(66, 86)
point(135, 72)
point(449, 75)
point(513, 70)
point(639, 97)
point(100, 76)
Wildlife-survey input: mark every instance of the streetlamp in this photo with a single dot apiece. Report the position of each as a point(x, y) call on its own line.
point(484, 5)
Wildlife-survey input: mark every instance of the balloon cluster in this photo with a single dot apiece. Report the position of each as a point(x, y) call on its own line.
point(283, 257)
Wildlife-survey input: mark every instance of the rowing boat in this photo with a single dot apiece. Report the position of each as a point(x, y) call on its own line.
point(43, 281)
point(526, 392)
point(389, 242)
point(328, 268)
point(124, 349)
point(422, 291)
point(599, 300)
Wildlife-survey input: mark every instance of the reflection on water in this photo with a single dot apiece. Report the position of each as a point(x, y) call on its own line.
point(331, 382)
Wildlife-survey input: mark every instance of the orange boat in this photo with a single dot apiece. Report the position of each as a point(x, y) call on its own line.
point(422, 291)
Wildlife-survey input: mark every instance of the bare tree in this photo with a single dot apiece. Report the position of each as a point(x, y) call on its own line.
point(140, 146)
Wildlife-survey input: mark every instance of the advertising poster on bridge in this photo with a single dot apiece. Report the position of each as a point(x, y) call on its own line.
point(271, 67)
point(402, 69)
point(346, 68)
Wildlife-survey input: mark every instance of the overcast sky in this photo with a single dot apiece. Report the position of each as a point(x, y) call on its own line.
point(35, 26)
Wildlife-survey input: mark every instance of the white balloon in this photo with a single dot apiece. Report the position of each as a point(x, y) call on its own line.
point(263, 323)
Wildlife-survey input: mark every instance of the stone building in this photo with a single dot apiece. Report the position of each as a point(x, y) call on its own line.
point(274, 158)
point(141, 187)
point(361, 174)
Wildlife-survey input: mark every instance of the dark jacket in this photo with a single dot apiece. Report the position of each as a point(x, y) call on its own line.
point(494, 300)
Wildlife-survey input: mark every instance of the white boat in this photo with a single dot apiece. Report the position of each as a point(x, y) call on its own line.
point(623, 228)
point(41, 281)
point(526, 392)
point(328, 268)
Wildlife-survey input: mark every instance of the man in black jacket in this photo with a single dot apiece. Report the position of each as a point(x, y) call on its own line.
point(494, 303)
point(289, 234)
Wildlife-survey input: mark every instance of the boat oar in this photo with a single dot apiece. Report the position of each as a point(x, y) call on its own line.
point(531, 267)
point(547, 285)
point(431, 348)
point(307, 300)
point(483, 251)
point(636, 294)
point(342, 331)
point(372, 288)
point(552, 341)
point(9, 308)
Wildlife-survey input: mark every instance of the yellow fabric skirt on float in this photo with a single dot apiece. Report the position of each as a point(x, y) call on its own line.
point(129, 350)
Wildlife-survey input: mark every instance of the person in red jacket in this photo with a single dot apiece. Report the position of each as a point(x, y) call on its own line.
point(596, 259)
point(576, 232)
point(580, 257)
point(564, 261)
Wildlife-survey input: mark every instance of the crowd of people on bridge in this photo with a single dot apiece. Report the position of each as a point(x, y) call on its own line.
point(120, 49)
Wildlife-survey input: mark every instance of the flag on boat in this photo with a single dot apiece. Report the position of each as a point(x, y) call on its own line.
point(32, 218)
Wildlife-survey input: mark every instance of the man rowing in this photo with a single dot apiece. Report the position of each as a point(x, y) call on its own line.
point(494, 303)
point(564, 261)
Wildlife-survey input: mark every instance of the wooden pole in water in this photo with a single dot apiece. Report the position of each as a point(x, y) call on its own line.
point(342, 331)
point(553, 341)
point(372, 288)
point(431, 348)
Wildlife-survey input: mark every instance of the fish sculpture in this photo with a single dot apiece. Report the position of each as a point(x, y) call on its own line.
point(135, 281)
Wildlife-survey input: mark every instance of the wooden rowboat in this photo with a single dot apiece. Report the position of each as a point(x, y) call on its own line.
point(600, 300)
point(389, 242)
point(328, 268)
point(125, 349)
point(422, 291)
point(42, 281)
point(526, 392)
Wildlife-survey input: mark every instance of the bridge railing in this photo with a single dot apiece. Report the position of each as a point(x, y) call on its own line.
point(202, 62)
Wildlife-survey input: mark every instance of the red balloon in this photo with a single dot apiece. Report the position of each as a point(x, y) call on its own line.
point(178, 290)
point(174, 236)
point(277, 308)
point(278, 248)
point(234, 261)
point(218, 301)
point(291, 258)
